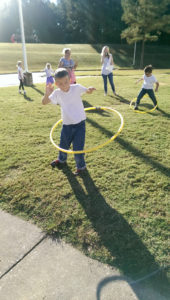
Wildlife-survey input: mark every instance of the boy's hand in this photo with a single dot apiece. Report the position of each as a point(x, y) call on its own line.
point(157, 85)
point(49, 89)
point(90, 90)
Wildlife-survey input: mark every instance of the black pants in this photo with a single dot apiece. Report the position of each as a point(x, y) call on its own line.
point(151, 94)
point(21, 85)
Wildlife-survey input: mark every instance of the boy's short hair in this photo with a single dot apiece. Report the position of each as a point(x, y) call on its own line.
point(60, 73)
point(148, 69)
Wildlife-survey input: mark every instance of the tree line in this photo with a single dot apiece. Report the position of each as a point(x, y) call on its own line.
point(88, 21)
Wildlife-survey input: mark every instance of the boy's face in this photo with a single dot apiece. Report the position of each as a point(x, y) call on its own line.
point(148, 74)
point(63, 83)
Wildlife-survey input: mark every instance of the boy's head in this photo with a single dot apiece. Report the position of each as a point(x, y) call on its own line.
point(148, 70)
point(19, 63)
point(62, 79)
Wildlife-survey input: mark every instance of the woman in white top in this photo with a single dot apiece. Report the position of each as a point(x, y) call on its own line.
point(107, 67)
point(69, 64)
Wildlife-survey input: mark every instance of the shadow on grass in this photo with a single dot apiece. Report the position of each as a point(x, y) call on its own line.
point(87, 104)
point(149, 106)
point(146, 105)
point(129, 254)
point(121, 99)
point(37, 90)
point(163, 113)
point(28, 98)
point(97, 111)
point(132, 149)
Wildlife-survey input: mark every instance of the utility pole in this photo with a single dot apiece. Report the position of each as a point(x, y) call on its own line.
point(28, 76)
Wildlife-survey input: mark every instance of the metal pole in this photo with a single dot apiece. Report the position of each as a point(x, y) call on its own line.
point(22, 35)
point(134, 54)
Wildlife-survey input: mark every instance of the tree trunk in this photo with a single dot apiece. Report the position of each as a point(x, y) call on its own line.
point(142, 54)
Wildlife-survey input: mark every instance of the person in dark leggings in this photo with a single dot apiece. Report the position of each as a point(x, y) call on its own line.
point(20, 77)
point(21, 85)
point(107, 67)
point(147, 87)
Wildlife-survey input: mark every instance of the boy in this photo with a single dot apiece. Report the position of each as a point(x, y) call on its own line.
point(73, 115)
point(147, 87)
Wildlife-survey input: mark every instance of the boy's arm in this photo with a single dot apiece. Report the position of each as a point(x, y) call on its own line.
point(90, 90)
point(49, 90)
point(139, 80)
point(157, 85)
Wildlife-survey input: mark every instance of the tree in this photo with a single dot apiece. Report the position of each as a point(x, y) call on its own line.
point(90, 21)
point(146, 20)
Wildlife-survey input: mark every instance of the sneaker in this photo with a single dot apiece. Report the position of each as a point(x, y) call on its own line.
point(57, 163)
point(105, 94)
point(79, 171)
point(19, 91)
point(115, 94)
point(24, 92)
point(136, 108)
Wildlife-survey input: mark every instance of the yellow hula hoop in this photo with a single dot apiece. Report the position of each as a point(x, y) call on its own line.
point(139, 111)
point(94, 148)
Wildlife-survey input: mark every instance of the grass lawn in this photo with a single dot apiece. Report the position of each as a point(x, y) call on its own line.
point(115, 213)
point(87, 56)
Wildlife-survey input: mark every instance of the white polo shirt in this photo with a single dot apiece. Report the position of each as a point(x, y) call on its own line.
point(148, 82)
point(72, 109)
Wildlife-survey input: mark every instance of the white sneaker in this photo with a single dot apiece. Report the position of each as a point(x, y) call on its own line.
point(19, 91)
point(105, 94)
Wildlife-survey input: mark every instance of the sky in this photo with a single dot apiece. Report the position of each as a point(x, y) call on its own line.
point(3, 2)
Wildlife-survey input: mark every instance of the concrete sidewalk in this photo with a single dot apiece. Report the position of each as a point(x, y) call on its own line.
point(38, 77)
point(12, 79)
point(33, 267)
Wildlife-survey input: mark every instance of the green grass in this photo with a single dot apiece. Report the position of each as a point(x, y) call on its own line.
point(87, 56)
point(115, 213)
